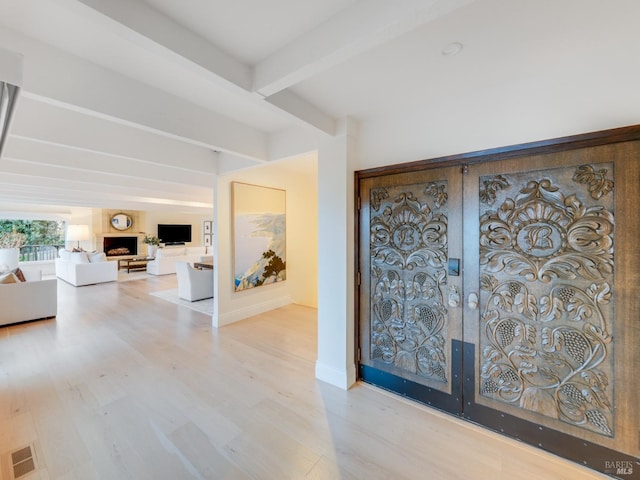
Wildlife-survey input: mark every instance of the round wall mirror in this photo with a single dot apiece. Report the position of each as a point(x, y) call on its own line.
point(121, 221)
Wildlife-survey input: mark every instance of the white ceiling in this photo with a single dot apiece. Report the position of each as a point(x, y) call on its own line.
point(136, 103)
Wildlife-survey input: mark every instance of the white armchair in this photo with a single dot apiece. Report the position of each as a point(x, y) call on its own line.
point(193, 284)
point(28, 300)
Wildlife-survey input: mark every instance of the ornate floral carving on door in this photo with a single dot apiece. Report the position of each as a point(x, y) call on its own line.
point(408, 244)
point(547, 280)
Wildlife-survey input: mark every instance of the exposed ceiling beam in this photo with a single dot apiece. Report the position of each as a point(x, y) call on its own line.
point(94, 185)
point(295, 105)
point(61, 79)
point(72, 162)
point(145, 26)
point(34, 189)
point(229, 163)
point(52, 125)
point(361, 27)
point(21, 211)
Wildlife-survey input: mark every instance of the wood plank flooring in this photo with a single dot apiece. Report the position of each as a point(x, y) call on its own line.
point(124, 385)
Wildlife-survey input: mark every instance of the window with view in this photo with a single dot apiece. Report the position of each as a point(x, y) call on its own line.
point(41, 239)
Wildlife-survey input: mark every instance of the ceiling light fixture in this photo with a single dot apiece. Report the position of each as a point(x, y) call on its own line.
point(452, 49)
point(10, 81)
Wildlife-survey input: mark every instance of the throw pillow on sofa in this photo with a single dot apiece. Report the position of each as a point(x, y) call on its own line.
point(82, 256)
point(19, 275)
point(8, 278)
point(96, 257)
point(79, 257)
point(4, 269)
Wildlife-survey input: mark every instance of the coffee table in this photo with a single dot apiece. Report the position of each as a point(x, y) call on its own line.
point(203, 265)
point(137, 263)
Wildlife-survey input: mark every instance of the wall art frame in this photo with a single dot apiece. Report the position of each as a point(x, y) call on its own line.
point(259, 235)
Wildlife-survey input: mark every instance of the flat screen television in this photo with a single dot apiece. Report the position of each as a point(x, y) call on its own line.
point(174, 234)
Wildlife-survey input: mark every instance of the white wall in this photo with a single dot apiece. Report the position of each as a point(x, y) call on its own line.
point(512, 83)
point(301, 284)
point(336, 320)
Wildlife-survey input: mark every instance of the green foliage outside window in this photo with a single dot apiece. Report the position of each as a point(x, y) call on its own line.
point(36, 232)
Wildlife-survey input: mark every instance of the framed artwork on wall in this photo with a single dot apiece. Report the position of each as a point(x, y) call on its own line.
point(259, 235)
point(207, 233)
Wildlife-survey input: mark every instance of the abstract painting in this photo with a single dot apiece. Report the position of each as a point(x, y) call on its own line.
point(259, 235)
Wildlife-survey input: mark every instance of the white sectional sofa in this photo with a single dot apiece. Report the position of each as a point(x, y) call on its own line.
point(166, 258)
point(30, 300)
point(85, 268)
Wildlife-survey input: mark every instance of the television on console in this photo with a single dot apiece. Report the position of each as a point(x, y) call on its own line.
point(174, 234)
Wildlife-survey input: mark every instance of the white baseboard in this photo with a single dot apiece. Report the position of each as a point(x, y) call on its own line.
point(339, 378)
point(242, 313)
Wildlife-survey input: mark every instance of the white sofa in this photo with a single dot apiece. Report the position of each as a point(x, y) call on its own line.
point(30, 300)
point(85, 268)
point(166, 258)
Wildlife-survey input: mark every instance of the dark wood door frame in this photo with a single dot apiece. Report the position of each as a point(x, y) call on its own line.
point(597, 457)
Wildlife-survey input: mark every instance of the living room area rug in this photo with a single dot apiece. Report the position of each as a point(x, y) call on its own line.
point(203, 306)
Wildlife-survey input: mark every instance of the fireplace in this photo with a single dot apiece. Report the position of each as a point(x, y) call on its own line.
point(118, 246)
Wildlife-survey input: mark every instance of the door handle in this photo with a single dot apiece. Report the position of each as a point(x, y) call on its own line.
point(472, 301)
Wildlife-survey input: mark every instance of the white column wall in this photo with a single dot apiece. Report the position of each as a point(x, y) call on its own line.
point(214, 241)
point(336, 322)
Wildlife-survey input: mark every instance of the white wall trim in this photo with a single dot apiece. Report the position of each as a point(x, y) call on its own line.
point(233, 316)
point(339, 378)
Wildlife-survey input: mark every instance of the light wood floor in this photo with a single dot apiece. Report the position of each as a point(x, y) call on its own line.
point(124, 385)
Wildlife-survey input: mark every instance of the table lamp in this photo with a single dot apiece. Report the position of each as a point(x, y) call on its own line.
point(77, 233)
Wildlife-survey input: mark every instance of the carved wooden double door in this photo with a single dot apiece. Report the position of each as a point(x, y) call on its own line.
point(506, 292)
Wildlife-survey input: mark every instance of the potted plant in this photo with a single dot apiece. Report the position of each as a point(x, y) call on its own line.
point(152, 242)
point(10, 243)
